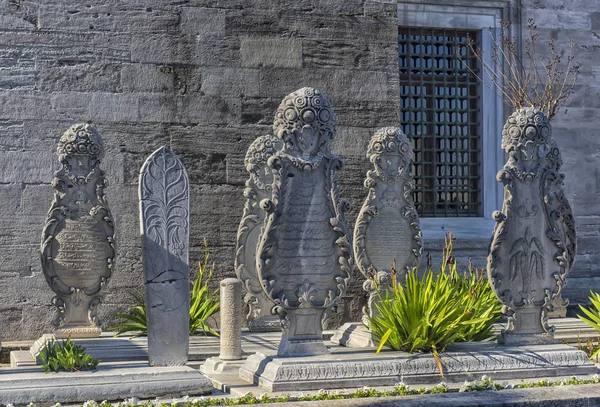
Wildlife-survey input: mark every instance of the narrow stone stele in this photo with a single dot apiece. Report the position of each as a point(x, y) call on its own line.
point(78, 243)
point(387, 229)
point(258, 187)
point(534, 244)
point(304, 257)
point(164, 228)
point(230, 357)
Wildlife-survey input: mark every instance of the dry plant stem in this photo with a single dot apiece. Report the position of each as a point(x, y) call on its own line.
point(546, 89)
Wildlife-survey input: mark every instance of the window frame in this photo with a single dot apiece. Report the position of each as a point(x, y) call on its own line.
point(478, 18)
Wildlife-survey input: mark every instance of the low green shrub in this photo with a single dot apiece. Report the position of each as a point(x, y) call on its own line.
point(67, 356)
point(428, 313)
point(203, 304)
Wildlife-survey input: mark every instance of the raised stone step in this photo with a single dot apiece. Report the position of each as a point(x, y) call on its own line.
point(349, 368)
point(108, 382)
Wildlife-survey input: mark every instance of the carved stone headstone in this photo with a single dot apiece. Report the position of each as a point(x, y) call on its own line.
point(387, 229)
point(78, 245)
point(304, 257)
point(258, 187)
point(533, 246)
point(164, 224)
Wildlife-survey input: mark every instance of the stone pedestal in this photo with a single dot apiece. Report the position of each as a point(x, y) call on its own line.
point(354, 335)
point(164, 228)
point(533, 245)
point(78, 245)
point(345, 368)
point(258, 187)
point(304, 257)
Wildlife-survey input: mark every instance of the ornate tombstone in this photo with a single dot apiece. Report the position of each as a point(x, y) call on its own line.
point(164, 223)
point(304, 256)
point(78, 246)
point(258, 187)
point(533, 245)
point(387, 229)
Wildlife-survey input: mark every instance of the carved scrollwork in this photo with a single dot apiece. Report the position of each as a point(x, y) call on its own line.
point(533, 244)
point(304, 256)
point(387, 229)
point(258, 190)
point(78, 246)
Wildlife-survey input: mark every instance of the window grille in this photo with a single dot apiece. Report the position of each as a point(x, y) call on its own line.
point(439, 102)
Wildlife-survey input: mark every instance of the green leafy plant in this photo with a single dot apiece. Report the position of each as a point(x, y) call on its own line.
point(592, 318)
point(135, 320)
point(430, 312)
point(67, 356)
point(204, 303)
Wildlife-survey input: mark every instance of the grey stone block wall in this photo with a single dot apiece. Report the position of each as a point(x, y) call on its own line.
point(204, 77)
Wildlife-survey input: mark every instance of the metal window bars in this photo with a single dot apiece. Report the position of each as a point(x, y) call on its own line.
point(440, 112)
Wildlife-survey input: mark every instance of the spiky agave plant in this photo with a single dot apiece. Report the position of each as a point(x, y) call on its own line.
point(428, 313)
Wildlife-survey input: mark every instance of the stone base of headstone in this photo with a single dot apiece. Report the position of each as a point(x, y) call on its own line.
point(219, 366)
point(77, 332)
point(354, 335)
point(509, 338)
point(107, 382)
point(559, 312)
point(271, 324)
point(345, 368)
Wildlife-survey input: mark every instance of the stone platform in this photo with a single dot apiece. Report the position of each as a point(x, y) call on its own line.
point(355, 367)
point(116, 381)
point(568, 330)
point(127, 349)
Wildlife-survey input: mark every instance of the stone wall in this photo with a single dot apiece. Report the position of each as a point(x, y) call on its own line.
point(201, 76)
point(204, 77)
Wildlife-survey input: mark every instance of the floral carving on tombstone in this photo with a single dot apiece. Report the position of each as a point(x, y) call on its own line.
point(78, 244)
point(534, 244)
point(304, 257)
point(258, 187)
point(387, 229)
point(164, 223)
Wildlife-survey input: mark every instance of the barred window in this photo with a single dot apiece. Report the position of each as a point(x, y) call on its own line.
point(440, 111)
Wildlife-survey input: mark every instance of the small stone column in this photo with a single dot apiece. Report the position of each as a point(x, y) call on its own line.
point(230, 358)
point(231, 319)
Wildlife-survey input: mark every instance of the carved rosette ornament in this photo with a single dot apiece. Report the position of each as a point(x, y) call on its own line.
point(258, 187)
point(387, 229)
point(304, 257)
point(533, 246)
point(78, 244)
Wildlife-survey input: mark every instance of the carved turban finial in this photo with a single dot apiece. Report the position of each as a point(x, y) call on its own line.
point(80, 139)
